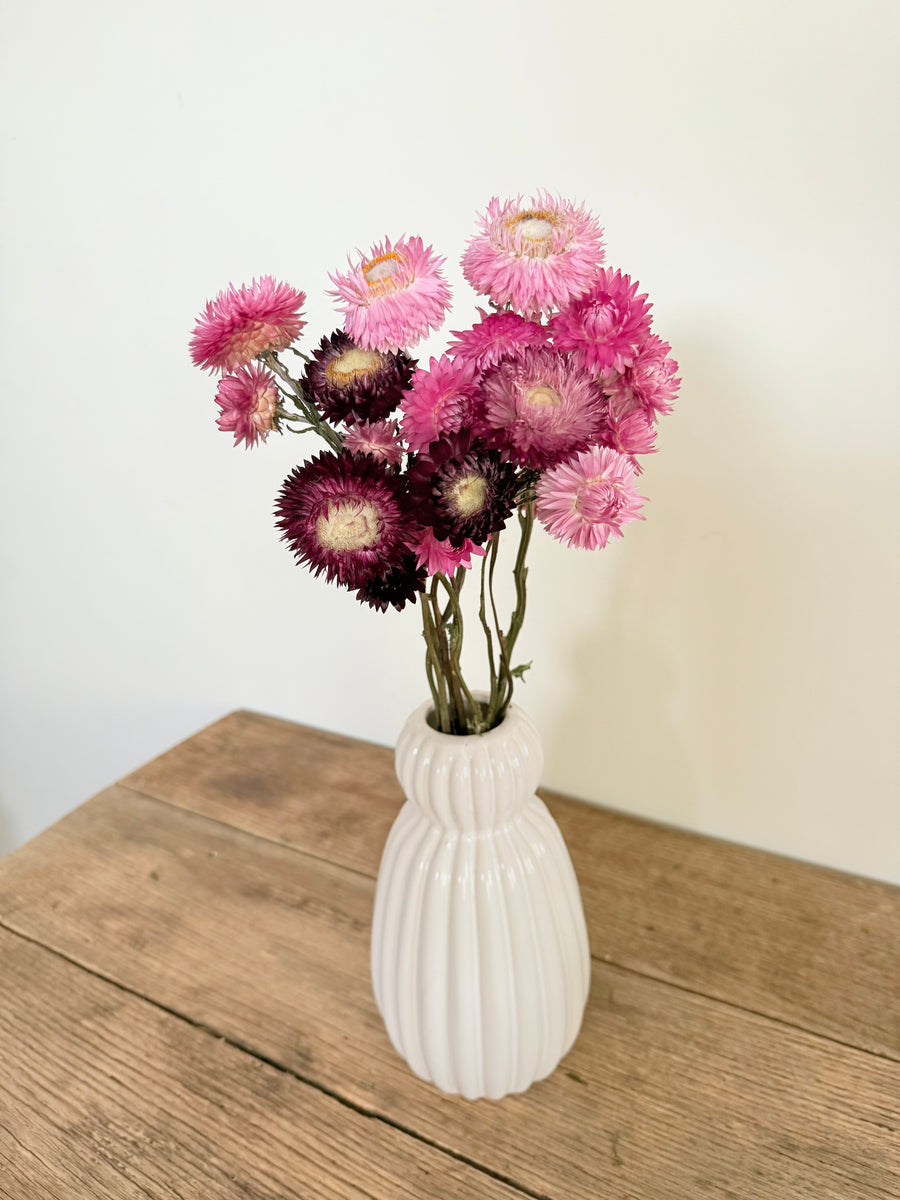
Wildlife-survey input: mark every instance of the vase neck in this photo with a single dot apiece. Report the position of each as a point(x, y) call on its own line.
point(471, 783)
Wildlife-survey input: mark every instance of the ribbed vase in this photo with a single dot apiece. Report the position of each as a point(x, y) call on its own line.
point(480, 958)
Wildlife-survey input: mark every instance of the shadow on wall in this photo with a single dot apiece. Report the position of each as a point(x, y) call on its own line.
point(716, 683)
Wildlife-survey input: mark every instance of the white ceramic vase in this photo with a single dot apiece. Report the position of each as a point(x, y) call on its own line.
point(480, 958)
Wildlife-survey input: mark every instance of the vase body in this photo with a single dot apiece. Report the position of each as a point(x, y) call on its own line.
point(480, 958)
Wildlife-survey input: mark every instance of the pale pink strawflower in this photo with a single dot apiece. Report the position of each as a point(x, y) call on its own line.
point(378, 438)
point(651, 382)
point(536, 257)
point(242, 323)
point(248, 400)
point(586, 501)
point(436, 555)
point(441, 400)
point(495, 337)
point(605, 326)
point(540, 408)
point(393, 297)
point(630, 433)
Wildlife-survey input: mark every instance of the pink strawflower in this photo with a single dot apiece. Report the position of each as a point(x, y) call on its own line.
point(248, 400)
point(436, 555)
point(604, 327)
point(536, 258)
point(394, 297)
point(651, 382)
point(540, 408)
point(586, 501)
point(240, 324)
point(378, 438)
point(495, 337)
point(441, 400)
point(630, 433)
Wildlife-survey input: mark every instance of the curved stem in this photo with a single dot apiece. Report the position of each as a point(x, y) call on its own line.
point(309, 413)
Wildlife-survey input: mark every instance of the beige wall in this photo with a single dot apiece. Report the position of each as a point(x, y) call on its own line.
point(732, 665)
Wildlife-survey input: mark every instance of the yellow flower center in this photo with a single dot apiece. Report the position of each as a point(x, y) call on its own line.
point(543, 396)
point(348, 525)
point(381, 273)
point(467, 494)
point(346, 368)
point(535, 229)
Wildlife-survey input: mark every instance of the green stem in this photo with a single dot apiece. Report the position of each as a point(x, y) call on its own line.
point(493, 700)
point(520, 574)
point(473, 718)
point(308, 412)
point(433, 669)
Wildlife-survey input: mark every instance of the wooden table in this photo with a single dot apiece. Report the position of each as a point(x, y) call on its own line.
point(185, 1008)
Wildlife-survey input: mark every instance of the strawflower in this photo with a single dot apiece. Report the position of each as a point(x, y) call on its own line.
point(436, 555)
point(535, 257)
point(650, 383)
point(461, 489)
point(586, 501)
point(345, 516)
point(540, 408)
point(247, 400)
point(496, 336)
point(344, 381)
point(377, 438)
point(396, 588)
point(604, 327)
point(242, 323)
point(394, 296)
point(441, 400)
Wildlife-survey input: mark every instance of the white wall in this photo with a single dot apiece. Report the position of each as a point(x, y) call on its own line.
point(732, 665)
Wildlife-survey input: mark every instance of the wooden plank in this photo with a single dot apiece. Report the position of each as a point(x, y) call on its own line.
point(665, 1094)
point(103, 1095)
point(811, 946)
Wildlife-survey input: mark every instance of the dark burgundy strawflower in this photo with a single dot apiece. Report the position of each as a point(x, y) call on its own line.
point(396, 587)
point(346, 382)
point(461, 489)
point(346, 515)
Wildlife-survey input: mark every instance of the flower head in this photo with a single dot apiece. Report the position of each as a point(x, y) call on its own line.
point(346, 382)
point(397, 587)
point(247, 401)
point(536, 257)
point(442, 400)
point(393, 297)
point(461, 489)
point(650, 383)
point(630, 433)
point(436, 555)
point(604, 327)
point(240, 324)
point(495, 337)
point(540, 408)
point(586, 501)
point(378, 438)
point(345, 515)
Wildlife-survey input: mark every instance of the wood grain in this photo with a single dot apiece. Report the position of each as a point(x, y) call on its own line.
point(666, 1094)
point(103, 1095)
point(807, 945)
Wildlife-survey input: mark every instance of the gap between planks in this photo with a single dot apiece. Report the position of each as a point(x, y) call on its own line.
point(606, 960)
point(237, 1044)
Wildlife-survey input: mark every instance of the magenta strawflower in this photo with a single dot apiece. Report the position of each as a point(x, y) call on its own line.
point(536, 257)
point(586, 501)
point(242, 323)
point(378, 438)
point(345, 515)
point(248, 400)
point(540, 408)
point(495, 337)
point(441, 400)
point(436, 555)
point(605, 327)
point(346, 382)
point(651, 382)
point(393, 297)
